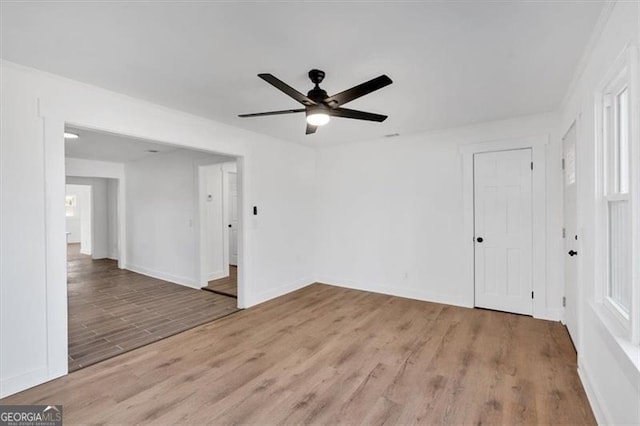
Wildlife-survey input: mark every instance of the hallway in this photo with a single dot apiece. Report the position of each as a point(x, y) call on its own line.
point(227, 286)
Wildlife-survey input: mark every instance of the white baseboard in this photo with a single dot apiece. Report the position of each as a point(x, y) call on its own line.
point(392, 291)
point(98, 256)
point(551, 315)
point(176, 279)
point(254, 299)
point(216, 275)
point(599, 411)
point(27, 380)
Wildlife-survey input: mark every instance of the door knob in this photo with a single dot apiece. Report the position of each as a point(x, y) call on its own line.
point(479, 239)
point(572, 253)
point(229, 225)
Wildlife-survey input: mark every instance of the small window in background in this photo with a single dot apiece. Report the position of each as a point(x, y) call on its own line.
point(70, 205)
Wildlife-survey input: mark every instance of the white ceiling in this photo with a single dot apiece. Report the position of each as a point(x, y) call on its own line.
point(93, 145)
point(453, 63)
point(101, 146)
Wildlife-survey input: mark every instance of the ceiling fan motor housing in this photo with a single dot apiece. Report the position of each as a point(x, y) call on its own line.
point(317, 94)
point(316, 76)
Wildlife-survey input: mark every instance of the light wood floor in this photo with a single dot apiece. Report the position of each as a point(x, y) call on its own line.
point(227, 285)
point(112, 311)
point(327, 355)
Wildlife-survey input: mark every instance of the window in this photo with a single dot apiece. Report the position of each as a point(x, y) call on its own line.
point(616, 128)
point(617, 214)
point(70, 205)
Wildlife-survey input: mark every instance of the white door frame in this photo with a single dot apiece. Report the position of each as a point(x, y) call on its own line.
point(225, 168)
point(120, 210)
point(203, 274)
point(52, 137)
point(537, 144)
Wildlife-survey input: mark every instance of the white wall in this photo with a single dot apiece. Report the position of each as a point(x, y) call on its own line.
point(391, 214)
point(103, 225)
point(278, 177)
point(92, 168)
point(112, 217)
point(162, 211)
point(611, 379)
point(86, 220)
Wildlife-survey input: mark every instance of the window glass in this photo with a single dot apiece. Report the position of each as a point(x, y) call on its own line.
point(620, 254)
point(70, 205)
point(622, 142)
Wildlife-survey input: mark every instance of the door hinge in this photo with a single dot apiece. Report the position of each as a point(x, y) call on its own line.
point(564, 232)
point(563, 164)
point(564, 301)
point(532, 295)
point(532, 165)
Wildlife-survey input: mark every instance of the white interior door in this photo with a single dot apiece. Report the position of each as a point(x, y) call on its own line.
point(233, 218)
point(503, 231)
point(570, 234)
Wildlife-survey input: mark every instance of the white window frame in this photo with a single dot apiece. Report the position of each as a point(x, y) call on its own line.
point(623, 74)
point(611, 179)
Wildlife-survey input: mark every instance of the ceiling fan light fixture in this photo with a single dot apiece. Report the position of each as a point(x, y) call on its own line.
point(318, 118)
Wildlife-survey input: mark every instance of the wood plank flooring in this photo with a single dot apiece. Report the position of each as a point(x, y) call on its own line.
point(227, 285)
point(327, 355)
point(112, 311)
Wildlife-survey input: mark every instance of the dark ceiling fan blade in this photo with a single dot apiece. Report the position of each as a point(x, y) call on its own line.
point(311, 129)
point(358, 91)
point(260, 114)
point(358, 115)
point(284, 87)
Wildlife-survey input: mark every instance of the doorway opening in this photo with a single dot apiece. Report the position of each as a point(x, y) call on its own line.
point(78, 216)
point(136, 280)
point(219, 226)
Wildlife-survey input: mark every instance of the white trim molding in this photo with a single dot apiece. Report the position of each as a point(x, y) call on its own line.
point(600, 25)
point(537, 144)
point(593, 397)
point(154, 273)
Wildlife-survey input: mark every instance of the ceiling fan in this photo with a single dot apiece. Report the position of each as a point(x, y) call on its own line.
point(320, 107)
